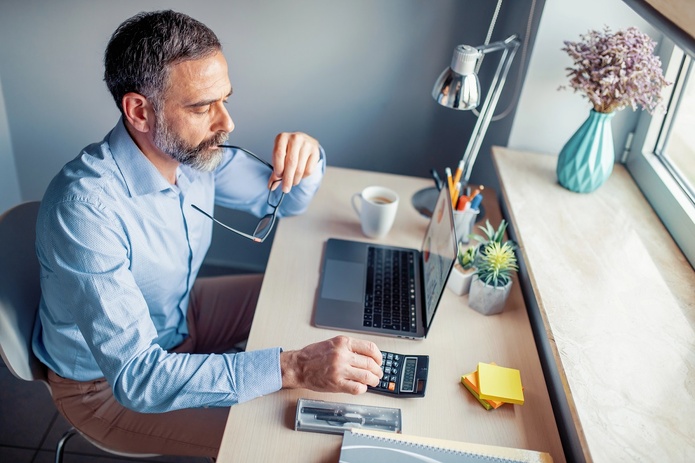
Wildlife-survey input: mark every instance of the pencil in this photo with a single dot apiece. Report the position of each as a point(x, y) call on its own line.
point(459, 171)
point(450, 180)
point(455, 195)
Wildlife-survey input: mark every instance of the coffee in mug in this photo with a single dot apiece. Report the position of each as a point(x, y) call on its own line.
point(380, 200)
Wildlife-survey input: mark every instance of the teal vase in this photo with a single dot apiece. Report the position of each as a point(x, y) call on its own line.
point(586, 160)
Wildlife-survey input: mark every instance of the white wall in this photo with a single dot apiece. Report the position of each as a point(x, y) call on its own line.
point(9, 187)
point(546, 117)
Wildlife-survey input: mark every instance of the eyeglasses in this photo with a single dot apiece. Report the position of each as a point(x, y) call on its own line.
point(265, 225)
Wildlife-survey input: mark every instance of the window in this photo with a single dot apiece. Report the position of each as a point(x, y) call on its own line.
point(662, 155)
point(678, 144)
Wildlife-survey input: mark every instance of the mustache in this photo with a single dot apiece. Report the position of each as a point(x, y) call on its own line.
point(217, 139)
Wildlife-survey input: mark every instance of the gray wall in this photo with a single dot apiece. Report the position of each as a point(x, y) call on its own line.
point(355, 74)
point(9, 186)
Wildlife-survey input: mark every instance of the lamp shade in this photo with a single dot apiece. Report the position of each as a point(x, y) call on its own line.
point(458, 86)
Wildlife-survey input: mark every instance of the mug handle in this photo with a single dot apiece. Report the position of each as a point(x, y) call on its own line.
point(354, 206)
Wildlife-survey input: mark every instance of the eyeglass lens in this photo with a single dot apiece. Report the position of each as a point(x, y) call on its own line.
point(266, 223)
point(275, 196)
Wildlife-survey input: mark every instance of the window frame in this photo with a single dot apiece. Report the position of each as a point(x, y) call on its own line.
point(670, 199)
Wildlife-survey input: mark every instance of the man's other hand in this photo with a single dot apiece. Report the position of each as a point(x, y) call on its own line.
point(341, 364)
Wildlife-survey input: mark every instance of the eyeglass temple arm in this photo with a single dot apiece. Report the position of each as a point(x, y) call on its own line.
point(245, 235)
point(249, 153)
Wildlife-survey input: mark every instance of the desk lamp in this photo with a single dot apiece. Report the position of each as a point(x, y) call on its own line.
point(458, 87)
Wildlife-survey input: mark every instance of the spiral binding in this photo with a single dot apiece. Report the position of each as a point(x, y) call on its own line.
point(467, 457)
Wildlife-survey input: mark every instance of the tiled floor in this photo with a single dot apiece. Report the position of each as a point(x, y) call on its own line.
point(30, 428)
point(30, 425)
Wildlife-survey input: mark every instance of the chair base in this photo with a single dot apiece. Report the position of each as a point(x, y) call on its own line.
point(60, 447)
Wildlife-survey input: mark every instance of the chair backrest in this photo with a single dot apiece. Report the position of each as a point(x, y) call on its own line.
point(20, 290)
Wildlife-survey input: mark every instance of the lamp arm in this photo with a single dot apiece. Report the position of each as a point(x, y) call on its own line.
point(509, 48)
point(510, 42)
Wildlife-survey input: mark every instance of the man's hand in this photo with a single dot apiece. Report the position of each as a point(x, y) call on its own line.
point(294, 157)
point(341, 364)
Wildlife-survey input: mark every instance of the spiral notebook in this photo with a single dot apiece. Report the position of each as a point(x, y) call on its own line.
point(367, 446)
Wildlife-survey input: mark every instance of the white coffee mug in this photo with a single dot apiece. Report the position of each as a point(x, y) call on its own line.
point(377, 210)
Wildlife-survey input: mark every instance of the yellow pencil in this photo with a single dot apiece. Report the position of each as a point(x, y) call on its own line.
point(455, 195)
point(459, 171)
point(449, 179)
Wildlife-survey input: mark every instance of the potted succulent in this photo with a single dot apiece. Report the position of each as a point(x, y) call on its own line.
point(490, 235)
point(490, 287)
point(463, 271)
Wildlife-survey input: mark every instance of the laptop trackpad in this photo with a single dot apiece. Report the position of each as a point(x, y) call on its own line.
point(343, 281)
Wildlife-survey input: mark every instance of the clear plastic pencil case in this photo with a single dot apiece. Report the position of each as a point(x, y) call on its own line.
point(335, 418)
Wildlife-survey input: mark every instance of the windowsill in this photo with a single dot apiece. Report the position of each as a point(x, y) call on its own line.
point(615, 311)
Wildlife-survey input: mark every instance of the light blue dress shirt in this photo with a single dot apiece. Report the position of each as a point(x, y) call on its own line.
point(119, 249)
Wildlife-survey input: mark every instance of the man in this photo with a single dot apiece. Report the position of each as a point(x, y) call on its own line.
point(135, 345)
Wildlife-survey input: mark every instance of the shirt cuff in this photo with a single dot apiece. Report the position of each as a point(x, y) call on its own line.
point(258, 373)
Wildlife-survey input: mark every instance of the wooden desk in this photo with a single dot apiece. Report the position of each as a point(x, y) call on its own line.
point(263, 429)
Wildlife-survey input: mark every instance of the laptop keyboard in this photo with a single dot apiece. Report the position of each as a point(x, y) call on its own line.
point(390, 295)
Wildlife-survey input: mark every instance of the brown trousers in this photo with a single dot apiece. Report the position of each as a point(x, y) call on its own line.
point(219, 316)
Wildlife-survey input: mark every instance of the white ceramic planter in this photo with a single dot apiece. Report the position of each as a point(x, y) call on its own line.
point(486, 299)
point(460, 280)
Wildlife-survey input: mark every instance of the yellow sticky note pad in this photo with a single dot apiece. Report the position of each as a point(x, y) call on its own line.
point(470, 381)
point(500, 384)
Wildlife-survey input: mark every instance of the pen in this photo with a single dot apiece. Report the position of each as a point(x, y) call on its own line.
point(461, 203)
point(339, 416)
point(437, 179)
point(343, 419)
point(475, 202)
point(347, 418)
point(318, 410)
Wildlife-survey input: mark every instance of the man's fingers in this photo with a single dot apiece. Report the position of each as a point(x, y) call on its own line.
point(366, 348)
point(365, 376)
point(293, 165)
point(354, 387)
point(294, 157)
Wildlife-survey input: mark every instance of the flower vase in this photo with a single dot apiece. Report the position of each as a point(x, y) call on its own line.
point(586, 160)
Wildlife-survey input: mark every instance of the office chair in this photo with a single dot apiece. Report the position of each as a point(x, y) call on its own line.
point(20, 292)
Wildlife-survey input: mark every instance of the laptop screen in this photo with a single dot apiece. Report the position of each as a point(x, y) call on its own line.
point(438, 253)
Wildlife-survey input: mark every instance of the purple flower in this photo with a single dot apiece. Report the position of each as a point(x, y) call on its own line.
point(615, 70)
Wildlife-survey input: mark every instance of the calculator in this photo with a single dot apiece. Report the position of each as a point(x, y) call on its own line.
point(404, 375)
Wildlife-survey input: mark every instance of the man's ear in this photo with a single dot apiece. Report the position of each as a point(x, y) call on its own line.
point(138, 111)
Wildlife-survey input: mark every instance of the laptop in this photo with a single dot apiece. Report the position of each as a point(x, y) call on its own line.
point(355, 295)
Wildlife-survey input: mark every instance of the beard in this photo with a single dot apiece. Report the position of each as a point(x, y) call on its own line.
point(204, 157)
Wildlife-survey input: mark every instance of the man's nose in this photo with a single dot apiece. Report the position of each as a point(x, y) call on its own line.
point(223, 121)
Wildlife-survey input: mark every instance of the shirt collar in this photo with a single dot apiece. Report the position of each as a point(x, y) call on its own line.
point(140, 175)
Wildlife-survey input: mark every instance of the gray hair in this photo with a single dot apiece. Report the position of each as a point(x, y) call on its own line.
point(143, 48)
